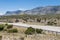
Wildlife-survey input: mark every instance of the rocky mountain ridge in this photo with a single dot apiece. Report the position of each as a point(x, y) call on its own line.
point(37, 11)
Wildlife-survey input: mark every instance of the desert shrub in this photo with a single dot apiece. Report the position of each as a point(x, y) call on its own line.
point(55, 23)
point(17, 20)
point(22, 38)
point(0, 37)
point(49, 23)
point(39, 31)
point(38, 20)
point(30, 31)
point(12, 30)
point(5, 30)
point(6, 24)
point(1, 27)
point(25, 19)
point(9, 26)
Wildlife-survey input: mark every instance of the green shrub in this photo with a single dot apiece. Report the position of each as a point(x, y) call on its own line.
point(25, 19)
point(17, 20)
point(49, 23)
point(38, 20)
point(1, 27)
point(30, 31)
point(55, 23)
point(39, 31)
point(6, 24)
point(9, 26)
point(12, 30)
point(5, 30)
point(0, 37)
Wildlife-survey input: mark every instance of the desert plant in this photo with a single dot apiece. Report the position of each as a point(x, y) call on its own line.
point(0, 37)
point(6, 24)
point(30, 31)
point(38, 20)
point(39, 31)
point(1, 27)
point(49, 23)
point(9, 26)
point(17, 20)
point(12, 30)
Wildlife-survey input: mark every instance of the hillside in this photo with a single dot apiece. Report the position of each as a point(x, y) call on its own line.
point(13, 12)
point(37, 11)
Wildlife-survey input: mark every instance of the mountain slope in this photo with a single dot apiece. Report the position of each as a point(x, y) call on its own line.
point(13, 12)
point(38, 10)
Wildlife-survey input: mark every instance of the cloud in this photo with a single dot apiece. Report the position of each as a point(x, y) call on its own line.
point(1, 13)
point(22, 9)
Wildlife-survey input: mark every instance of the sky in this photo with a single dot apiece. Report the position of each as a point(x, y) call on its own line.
point(13, 5)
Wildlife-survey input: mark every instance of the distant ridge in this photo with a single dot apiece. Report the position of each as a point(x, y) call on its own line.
point(37, 11)
point(13, 12)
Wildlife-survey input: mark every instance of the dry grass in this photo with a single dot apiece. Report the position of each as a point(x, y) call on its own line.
point(20, 29)
point(35, 23)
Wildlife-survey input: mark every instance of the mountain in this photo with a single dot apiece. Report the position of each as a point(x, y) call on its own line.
point(37, 11)
point(13, 12)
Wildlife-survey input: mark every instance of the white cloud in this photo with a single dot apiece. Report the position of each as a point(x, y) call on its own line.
point(22, 9)
point(1, 13)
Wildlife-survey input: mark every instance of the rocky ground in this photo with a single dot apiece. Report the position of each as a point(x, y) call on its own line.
point(30, 37)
